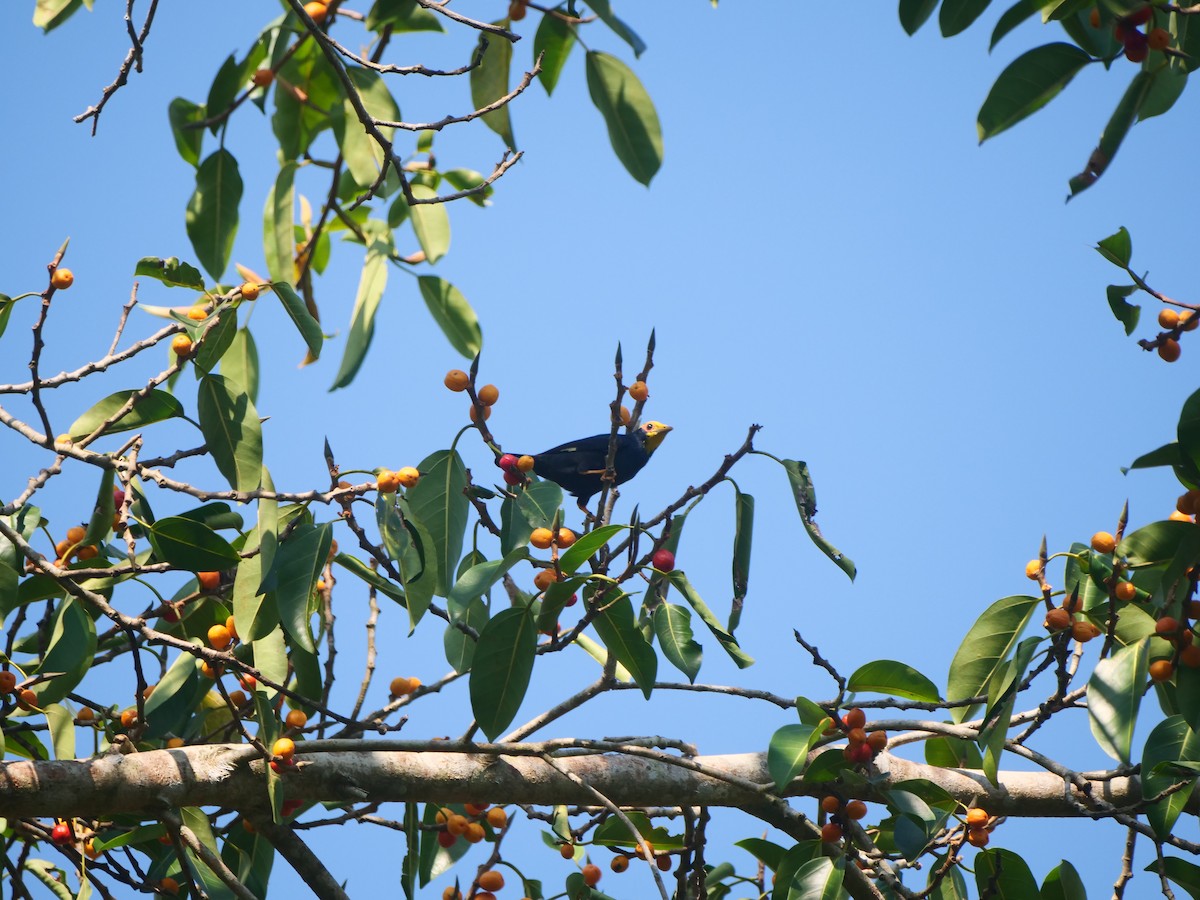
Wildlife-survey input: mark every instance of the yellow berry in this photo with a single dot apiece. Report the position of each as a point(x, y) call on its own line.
point(62, 279)
point(219, 637)
point(1032, 569)
point(525, 463)
point(566, 537)
point(408, 476)
point(638, 391)
point(1168, 318)
point(182, 345)
point(1103, 542)
point(541, 538)
point(284, 748)
point(296, 718)
point(249, 289)
point(387, 481)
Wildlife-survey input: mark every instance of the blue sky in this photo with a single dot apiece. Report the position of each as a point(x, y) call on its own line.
point(826, 252)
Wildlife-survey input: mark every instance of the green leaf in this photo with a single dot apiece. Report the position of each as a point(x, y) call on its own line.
point(1028, 83)
point(240, 362)
point(952, 753)
point(787, 753)
point(156, 406)
point(952, 887)
point(1167, 87)
point(170, 271)
point(1127, 313)
point(489, 82)
point(1117, 248)
point(62, 730)
point(212, 211)
point(190, 545)
point(478, 580)
point(371, 284)
point(633, 127)
point(224, 90)
point(1157, 543)
point(819, 879)
point(603, 9)
point(1015, 15)
point(1188, 429)
point(553, 41)
point(363, 155)
point(885, 676)
point(1166, 455)
point(453, 315)
point(806, 503)
point(403, 16)
point(743, 539)
point(100, 521)
point(370, 576)
point(1170, 741)
point(956, 16)
point(69, 652)
point(431, 223)
point(618, 629)
point(1002, 875)
point(298, 563)
point(984, 649)
point(297, 310)
point(438, 502)
point(232, 431)
point(175, 698)
point(279, 214)
point(1063, 883)
point(1114, 697)
point(585, 547)
point(6, 307)
point(460, 648)
point(1002, 695)
point(1114, 132)
point(767, 852)
point(915, 13)
point(1181, 872)
point(500, 674)
point(465, 179)
point(216, 341)
point(728, 643)
point(673, 627)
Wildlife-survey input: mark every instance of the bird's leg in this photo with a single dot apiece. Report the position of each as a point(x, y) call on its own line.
point(587, 513)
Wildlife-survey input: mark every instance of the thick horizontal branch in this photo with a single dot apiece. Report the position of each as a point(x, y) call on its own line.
point(233, 775)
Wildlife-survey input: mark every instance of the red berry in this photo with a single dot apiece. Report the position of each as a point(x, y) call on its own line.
point(61, 833)
point(507, 462)
point(663, 559)
point(513, 476)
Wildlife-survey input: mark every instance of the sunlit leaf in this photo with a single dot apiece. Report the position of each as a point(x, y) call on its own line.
point(212, 211)
point(232, 431)
point(633, 127)
point(1029, 82)
point(1114, 697)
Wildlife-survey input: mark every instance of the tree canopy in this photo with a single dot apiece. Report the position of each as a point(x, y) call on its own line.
point(231, 632)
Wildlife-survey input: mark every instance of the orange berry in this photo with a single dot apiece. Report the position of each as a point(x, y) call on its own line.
point(856, 809)
point(619, 863)
point(516, 10)
point(638, 391)
point(1125, 591)
point(198, 313)
point(591, 875)
point(1165, 626)
point(174, 743)
point(219, 637)
point(1103, 542)
point(485, 895)
point(488, 394)
point(128, 718)
point(62, 279)
point(855, 718)
point(544, 579)
point(566, 851)
point(446, 839)
point(856, 736)
point(387, 481)
point(456, 380)
point(663, 861)
point(85, 715)
point(451, 893)
point(76, 533)
point(1177, 516)
point(831, 833)
point(977, 817)
point(1188, 320)
point(474, 833)
point(1161, 670)
point(8, 681)
point(400, 687)
point(208, 670)
point(148, 690)
point(408, 476)
point(1032, 569)
point(626, 415)
point(1083, 631)
point(62, 548)
point(182, 345)
point(978, 837)
point(284, 748)
point(475, 809)
point(858, 753)
point(497, 818)
point(541, 538)
point(296, 718)
point(238, 699)
point(566, 537)
point(260, 78)
point(87, 551)
point(830, 804)
point(231, 627)
point(1057, 619)
point(491, 880)
point(1169, 350)
point(27, 699)
point(316, 10)
point(487, 413)
point(525, 464)
point(249, 289)
point(457, 824)
point(89, 849)
point(1168, 318)
point(877, 741)
point(1158, 39)
point(168, 886)
point(1190, 656)
point(209, 581)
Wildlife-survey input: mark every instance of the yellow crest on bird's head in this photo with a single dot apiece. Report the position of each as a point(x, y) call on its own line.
point(653, 434)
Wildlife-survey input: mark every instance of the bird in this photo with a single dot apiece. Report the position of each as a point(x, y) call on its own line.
point(578, 466)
